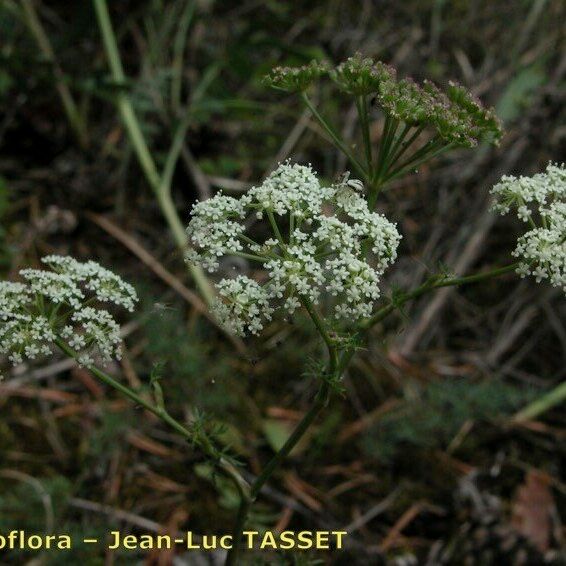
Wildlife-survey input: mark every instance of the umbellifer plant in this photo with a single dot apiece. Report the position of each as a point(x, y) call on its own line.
point(326, 250)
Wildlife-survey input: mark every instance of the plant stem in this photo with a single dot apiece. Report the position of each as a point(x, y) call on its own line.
point(335, 369)
point(374, 189)
point(251, 257)
point(406, 145)
point(549, 400)
point(376, 181)
point(161, 186)
point(389, 129)
point(320, 401)
point(363, 115)
point(179, 44)
point(391, 157)
point(320, 326)
point(160, 412)
point(275, 228)
point(434, 149)
point(335, 137)
point(433, 283)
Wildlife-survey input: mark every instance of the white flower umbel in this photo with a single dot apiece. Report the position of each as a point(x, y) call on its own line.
point(242, 305)
point(540, 201)
point(215, 229)
point(356, 282)
point(63, 304)
point(106, 285)
point(290, 189)
point(526, 193)
point(322, 239)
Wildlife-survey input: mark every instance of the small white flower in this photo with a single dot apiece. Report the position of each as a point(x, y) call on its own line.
point(541, 201)
point(322, 239)
point(214, 230)
point(57, 287)
point(356, 283)
point(106, 285)
point(242, 305)
point(538, 190)
point(58, 304)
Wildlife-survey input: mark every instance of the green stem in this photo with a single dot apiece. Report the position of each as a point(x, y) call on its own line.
point(551, 399)
point(433, 283)
point(377, 180)
point(161, 187)
point(160, 412)
point(389, 146)
point(363, 115)
point(291, 228)
point(179, 44)
point(317, 320)
point(389, 129)
point(320, 401)
point(275, 228)
point(335, 137)
point(251, 257)
point(426, 153)
point(382, 144)
point(335, 369)
point(391, 157)
point(173, 155)
point(406, 145)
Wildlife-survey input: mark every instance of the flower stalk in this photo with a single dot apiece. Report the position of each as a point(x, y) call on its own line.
point(158, 409)
point(435, 282)
point(74, 116)
point(320, 401)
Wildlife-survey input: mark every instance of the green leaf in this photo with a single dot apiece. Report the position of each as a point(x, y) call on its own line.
point(277, 433)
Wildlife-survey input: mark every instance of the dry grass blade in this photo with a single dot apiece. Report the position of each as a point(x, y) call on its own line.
point(164, 274)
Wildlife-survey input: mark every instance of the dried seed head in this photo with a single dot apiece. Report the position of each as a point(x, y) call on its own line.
point(458, 117)
point(360, 76)
point(295, 79)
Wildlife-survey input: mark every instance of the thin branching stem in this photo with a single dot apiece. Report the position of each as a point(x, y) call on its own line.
point(434, 282)
point(391, 157)
point(335, 137)
point(405, 146)
point(539, 406)
point(363, 116)
point(275, 228)
point(179, 44)
point(320, 401)
point(159, 411)
point(432, 149)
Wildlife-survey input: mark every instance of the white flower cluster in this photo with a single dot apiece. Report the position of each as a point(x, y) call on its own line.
point(242, 304)
point(323, 239)
point(58, 304)
point(540, 201)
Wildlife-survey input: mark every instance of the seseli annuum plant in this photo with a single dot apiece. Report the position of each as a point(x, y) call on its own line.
point(318, 247)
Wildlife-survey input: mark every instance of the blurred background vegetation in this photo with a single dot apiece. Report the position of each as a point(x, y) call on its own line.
point(417, 459)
